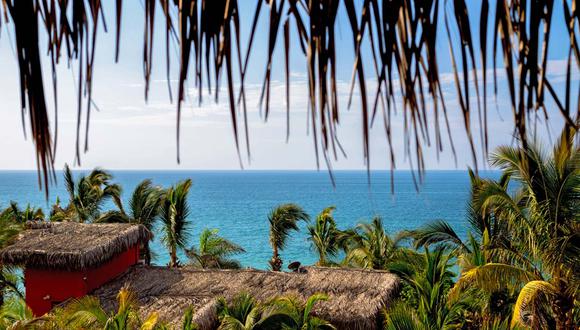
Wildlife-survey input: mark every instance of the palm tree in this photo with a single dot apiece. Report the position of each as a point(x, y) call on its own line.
point(300, 314)
point(369, 246)
point(488, 241)
point(15, 314)
point(87, 312)
point(427, 284)
point(10, 227)
point(283, 219)
point(87, 196)
point(21, 216)
point(399, 44)
point(245, 313)
point(325, 236)
point(214, 251)
point(144, 208)
point(173, 215)
point(542, 217)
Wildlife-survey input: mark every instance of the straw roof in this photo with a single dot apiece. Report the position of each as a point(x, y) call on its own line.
point(355, 296)
point(71, 245)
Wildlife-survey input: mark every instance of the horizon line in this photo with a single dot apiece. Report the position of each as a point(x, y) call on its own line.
point(247, 170)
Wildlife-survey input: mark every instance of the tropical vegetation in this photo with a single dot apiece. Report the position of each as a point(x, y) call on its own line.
point(174, 219)
point(325, 236)
point(283, 219)
point(517, 267)
point(214, 252)
point(244, 312)
point(87, 195)
point(144, 209)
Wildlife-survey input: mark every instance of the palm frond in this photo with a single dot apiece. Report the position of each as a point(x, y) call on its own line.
point(527, 295)
point(397, 38)
point(401, 317)
point(284, 219)
point(438, 232)
point(491, 277)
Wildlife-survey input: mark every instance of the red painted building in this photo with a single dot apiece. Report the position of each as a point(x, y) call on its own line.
point(69, 260)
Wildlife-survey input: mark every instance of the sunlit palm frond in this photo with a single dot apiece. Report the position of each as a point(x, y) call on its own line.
point(150, 322)
point(491, 277)
point(83, 312)
point(311, 301)
point(527, 295)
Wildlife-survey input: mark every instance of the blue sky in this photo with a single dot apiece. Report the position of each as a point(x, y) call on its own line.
point(128, 133)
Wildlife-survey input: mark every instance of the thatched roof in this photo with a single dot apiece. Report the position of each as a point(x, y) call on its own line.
point(71, 245)
point(355, 296)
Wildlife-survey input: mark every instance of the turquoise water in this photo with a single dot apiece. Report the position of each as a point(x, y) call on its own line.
point(238, 202)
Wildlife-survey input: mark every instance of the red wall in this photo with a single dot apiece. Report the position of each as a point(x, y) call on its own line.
point(47, 288)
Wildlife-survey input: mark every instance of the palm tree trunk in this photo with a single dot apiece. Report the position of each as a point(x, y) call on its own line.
point(562, 313)
point(322, 259)
point(561, 321)
point(147, 253)
point(562, 307)
point(276, 262)
point(173, 262)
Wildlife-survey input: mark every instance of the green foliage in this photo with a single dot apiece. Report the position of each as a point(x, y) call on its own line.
point(426, 304)
point(369, 246)
point(283, 219)
point(174, 219)
point(298, 314)
point(15, 314)
point(325, 237)
point(188, 323)
point(245, 313)
point(214, 251)
point(144, 209)
point(86, 196)
point(17, 215)
point(10, 227)
point(519, 265)
point(87, 313)
point(537, 249)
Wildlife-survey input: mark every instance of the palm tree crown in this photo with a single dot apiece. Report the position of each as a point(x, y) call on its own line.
point(214, 251)
point(144, 208)
point(324, 236)
point(369, 246)
point(87, 196)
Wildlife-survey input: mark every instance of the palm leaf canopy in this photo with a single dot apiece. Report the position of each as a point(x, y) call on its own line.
point(174, 214)
point(144, 203)
point(284, 219)
point(394, 43)
point(214, 251)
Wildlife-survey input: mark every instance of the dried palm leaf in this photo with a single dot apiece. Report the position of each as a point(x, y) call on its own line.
point(401, 34)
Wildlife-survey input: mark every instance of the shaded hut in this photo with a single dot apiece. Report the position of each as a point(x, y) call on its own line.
point(68, 259)
point(355, 296)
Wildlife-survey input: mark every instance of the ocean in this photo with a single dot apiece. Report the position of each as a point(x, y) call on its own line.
point(237, 203)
